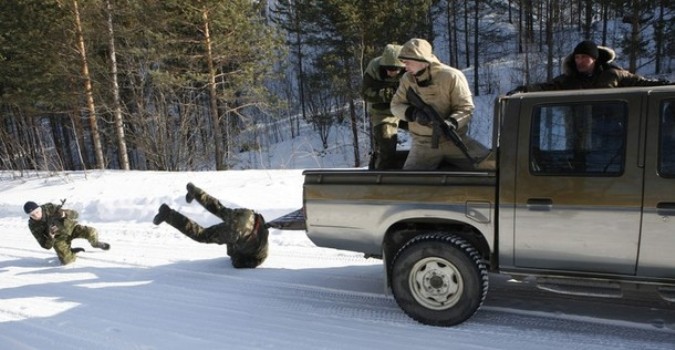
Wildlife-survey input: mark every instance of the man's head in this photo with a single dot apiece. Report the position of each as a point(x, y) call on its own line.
point(33, 210)
point(586, 53)
point(390, 62)
point(416, 54)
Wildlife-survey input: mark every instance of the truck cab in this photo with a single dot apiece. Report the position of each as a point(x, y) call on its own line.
point(587, 183)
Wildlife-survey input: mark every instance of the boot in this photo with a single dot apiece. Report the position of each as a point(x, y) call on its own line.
point(190, 196)
point(76, 250)
point(161, 216)
point(101, 245)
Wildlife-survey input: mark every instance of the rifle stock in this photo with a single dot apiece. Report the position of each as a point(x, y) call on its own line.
point(438, 125)
point(53, 217)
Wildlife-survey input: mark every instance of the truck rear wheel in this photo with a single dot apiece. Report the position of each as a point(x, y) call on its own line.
point(439, 279)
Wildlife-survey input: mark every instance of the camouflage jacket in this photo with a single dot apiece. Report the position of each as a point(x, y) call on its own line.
point(378, 88)
point(64, 225)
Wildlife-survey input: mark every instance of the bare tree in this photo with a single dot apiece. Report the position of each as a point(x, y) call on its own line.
point(322, 108)
point(88, 89)
point(117, 107)
point(213, 95)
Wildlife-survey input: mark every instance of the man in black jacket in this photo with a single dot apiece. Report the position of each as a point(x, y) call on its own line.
point(591, 67)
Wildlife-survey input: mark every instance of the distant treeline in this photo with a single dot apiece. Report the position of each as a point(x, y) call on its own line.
point(172, 84)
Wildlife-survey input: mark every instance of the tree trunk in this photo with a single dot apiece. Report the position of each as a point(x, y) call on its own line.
point(467, 45)
point(95, 136)
point(604, 13)
point(301, 74)
point(658, 37)
point(552, 7)
point(117, 108)
point(213, 97)
point(634, 36)
point(354, 120)
point(476, 90)
point(588, 21)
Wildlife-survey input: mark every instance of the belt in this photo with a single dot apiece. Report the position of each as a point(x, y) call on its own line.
point(256, 223)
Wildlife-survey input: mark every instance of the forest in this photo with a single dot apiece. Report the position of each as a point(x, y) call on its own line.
point(187, 85)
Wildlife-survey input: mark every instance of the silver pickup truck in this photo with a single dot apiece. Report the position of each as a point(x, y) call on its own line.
point(581, 196)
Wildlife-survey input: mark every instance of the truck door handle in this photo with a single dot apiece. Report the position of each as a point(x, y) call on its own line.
point(665, 208)
point(539, 204)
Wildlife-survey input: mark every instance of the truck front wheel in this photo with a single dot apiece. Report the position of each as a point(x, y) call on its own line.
point(439, 279)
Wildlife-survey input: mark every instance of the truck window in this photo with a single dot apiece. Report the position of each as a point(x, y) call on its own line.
point(579, 139)
point(667, 139)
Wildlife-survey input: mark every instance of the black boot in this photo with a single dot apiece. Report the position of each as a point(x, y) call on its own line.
point(101, 245)
point(76, 250)
point(190, 196)
point(161, 216)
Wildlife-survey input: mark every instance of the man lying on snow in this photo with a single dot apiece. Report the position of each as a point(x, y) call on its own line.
point(243, 230)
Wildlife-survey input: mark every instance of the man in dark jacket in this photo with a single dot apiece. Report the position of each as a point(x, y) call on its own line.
point(590, 67)
point(55, 227)
point(242, 230)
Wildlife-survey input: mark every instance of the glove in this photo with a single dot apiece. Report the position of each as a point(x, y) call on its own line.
point(452, 123)
point(60, 214)
point(53, 230)
point(521, 88)
point(387, 93)
point(413, 114)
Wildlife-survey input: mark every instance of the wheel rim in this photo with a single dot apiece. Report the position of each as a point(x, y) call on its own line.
point(435, 283)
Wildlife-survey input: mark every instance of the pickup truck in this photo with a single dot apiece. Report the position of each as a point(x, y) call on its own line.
point(581, 197)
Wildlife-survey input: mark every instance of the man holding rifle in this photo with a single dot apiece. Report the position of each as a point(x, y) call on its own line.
point(436, 101)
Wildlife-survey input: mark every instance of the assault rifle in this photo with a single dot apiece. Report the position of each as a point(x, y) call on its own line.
point(55, 216)
point(440, 128)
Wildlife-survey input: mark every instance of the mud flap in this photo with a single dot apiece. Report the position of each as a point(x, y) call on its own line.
point(292, 221)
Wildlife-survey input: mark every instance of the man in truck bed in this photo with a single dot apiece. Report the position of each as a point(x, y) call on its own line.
point(447, 91)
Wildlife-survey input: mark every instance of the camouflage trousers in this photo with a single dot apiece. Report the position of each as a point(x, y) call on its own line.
point(385, 139)
point(62, 242)
point(242, 230)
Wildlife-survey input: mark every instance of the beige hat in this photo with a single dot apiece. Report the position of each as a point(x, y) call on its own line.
point(417, 50)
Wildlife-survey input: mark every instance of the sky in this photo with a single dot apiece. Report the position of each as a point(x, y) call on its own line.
point(157, 289)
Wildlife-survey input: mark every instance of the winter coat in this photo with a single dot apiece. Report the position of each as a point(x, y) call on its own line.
point(251, 249)
point(40, 228)
point(378, 88)
point(443, 87)
point(606, 75)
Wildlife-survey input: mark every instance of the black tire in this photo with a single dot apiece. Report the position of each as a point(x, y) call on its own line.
point(439, 279)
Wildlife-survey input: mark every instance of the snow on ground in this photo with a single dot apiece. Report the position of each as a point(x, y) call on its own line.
point(157, 289)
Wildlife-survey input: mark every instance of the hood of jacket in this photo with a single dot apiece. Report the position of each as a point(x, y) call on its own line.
point(389, 56)
point(418, 50)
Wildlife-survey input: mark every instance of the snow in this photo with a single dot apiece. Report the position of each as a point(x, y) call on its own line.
point(157, 289)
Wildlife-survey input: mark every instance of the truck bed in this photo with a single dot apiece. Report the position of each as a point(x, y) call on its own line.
point(354, 209)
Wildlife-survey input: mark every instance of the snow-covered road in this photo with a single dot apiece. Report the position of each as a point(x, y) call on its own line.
point(156, 289)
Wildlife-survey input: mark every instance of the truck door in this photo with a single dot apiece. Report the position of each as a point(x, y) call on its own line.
point(657, 243)
point(578, 195)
